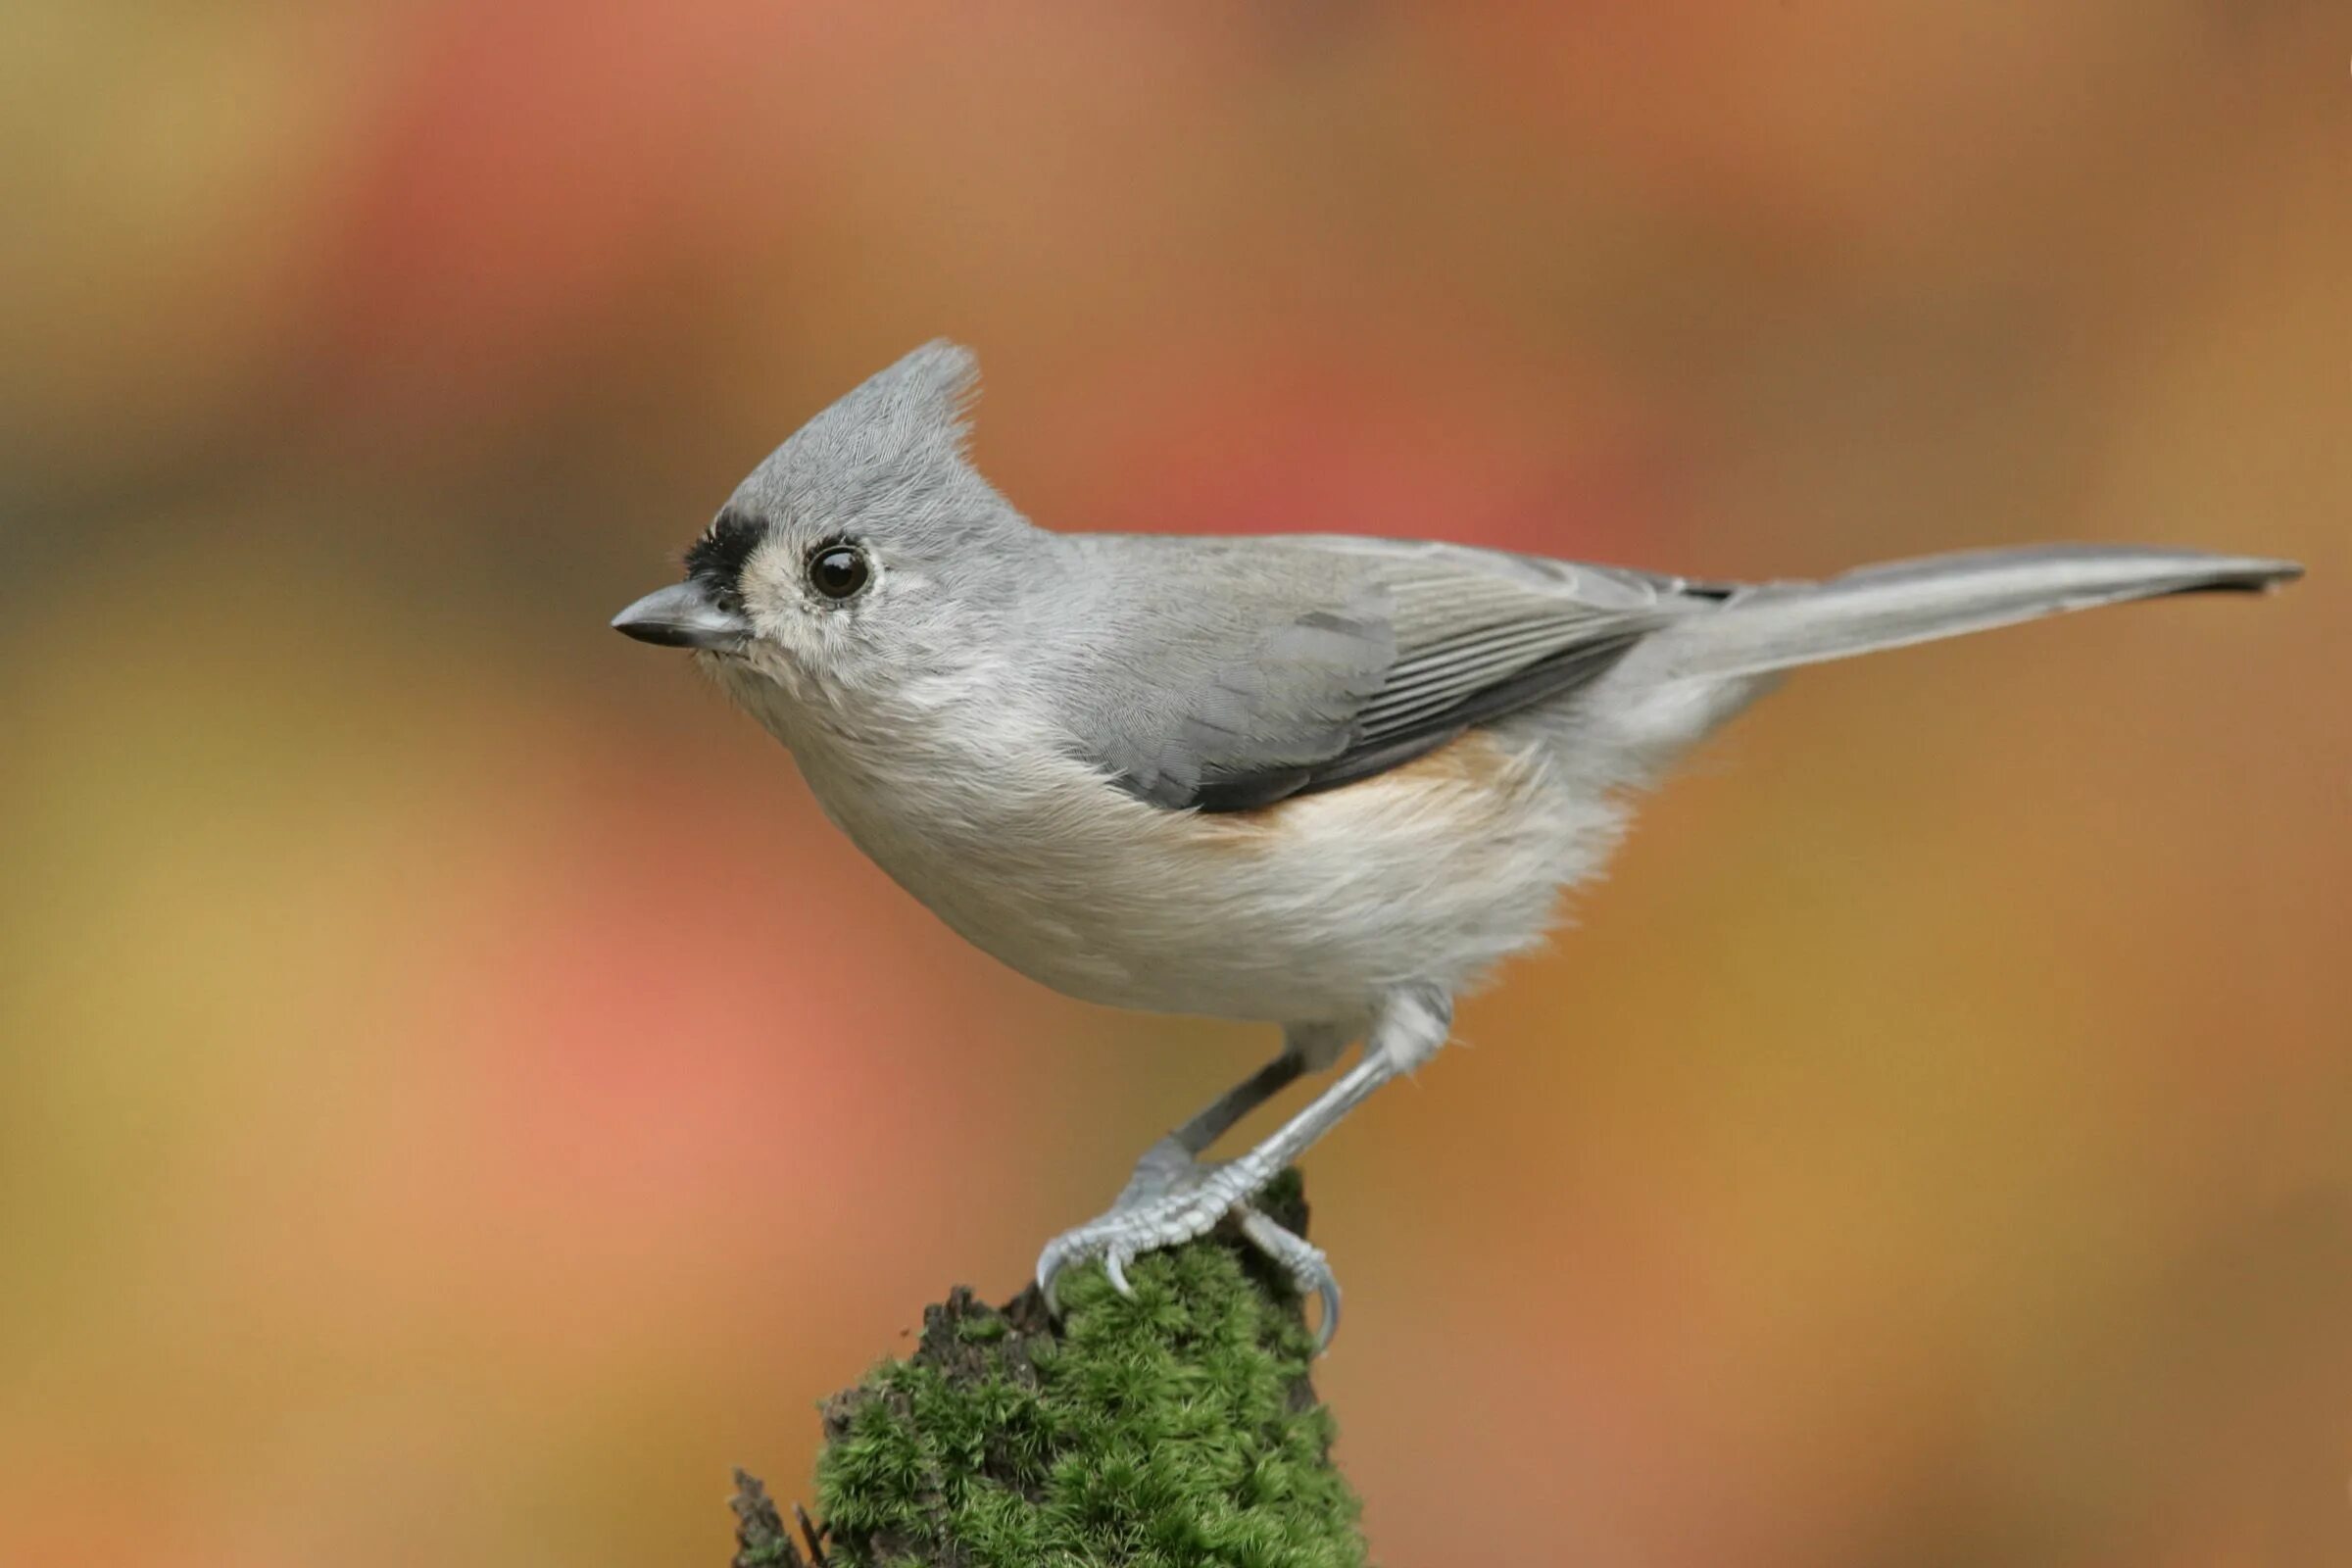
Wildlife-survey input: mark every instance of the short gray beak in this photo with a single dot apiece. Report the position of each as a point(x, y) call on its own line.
point(682, 617)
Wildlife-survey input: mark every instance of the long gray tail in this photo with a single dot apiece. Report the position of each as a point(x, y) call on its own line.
point(1783, 624)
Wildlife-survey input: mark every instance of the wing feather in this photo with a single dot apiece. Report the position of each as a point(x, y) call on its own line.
point(1284, 666)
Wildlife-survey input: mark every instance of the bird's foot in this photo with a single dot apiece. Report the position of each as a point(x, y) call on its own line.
point(1172, 1198)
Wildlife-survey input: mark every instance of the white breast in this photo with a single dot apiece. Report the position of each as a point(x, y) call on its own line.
point(1297, 912)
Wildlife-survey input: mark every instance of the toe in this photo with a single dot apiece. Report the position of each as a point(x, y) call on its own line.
point(1308, 1269)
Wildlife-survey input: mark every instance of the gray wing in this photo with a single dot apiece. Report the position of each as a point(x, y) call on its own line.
point(1229, 674)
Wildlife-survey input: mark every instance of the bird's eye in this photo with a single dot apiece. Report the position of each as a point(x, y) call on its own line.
point(837, 571)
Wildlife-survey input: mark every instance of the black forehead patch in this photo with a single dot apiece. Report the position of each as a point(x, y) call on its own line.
point(717, 557)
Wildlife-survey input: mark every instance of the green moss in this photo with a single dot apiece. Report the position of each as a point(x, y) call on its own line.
point(1172, 1428)
point(982, 1330)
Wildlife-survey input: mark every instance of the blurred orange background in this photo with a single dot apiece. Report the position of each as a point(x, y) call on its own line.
point(457, 1097)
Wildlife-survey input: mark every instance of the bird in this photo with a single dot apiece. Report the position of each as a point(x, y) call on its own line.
point(1321, 782)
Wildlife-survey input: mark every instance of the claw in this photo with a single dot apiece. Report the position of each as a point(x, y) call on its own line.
point(1329, 1330)
point(1309, 1270)
point(1116, 1267)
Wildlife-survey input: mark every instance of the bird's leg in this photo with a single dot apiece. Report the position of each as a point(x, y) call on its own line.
point(1166, 1164)
point(1174, 1163)
point(1172, 1197)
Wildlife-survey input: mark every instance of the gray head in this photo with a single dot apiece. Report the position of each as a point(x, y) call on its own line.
point(866, 551)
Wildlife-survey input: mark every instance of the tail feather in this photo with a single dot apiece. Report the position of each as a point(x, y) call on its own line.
point(1779, 625)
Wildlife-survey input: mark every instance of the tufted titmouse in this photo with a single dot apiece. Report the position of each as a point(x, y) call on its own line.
point(1326, 783)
